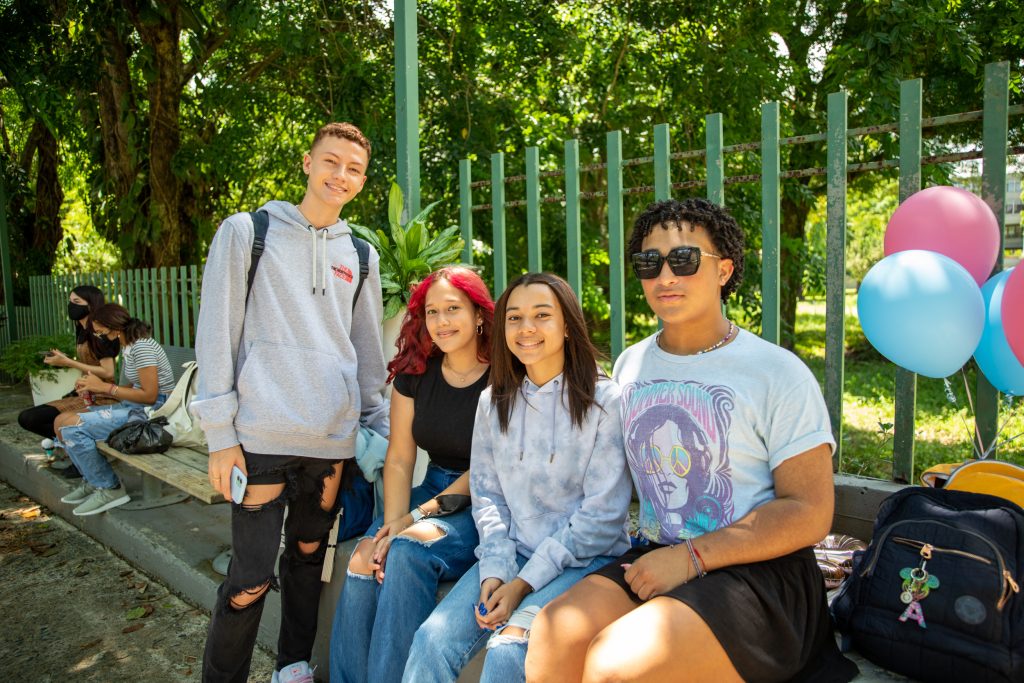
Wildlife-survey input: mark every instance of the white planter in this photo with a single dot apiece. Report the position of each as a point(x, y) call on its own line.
point(44, 390)
point(389, 334)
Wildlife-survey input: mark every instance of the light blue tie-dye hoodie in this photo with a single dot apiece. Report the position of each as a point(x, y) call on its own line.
point(545, 489)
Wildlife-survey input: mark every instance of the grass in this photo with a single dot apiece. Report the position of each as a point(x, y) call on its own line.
point(943, 431)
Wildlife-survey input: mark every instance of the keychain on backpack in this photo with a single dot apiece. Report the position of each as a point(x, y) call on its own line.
point(917, 584)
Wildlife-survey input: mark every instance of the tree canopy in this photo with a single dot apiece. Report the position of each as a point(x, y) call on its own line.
point(164, 117)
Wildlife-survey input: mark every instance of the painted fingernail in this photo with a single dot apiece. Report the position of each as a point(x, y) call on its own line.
point(626, 566)
point(482, 610)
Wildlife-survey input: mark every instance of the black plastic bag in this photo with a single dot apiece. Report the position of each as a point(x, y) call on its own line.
point(140, 437)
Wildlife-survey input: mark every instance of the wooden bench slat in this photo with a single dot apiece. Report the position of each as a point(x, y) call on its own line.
point(189, 458)
point(182, 475)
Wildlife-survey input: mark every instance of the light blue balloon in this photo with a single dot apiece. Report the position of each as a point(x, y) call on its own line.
point(923, 311)
point(994, 355)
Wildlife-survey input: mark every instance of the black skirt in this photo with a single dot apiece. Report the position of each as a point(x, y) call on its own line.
point(770, 617)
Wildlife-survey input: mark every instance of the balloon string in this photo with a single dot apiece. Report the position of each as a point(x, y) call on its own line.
point(970, 403)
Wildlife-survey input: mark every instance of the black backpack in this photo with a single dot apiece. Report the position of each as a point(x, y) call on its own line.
point(260, 225)
point(936, 595)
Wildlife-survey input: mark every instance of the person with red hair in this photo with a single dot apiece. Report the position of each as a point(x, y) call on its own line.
point(427, 534)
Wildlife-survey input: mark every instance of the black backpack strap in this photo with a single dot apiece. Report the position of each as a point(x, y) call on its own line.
point(363, 249)
point(260, 225)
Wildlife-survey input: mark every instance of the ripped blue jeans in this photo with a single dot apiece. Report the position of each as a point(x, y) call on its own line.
point(450, 637)
point(95, 424)
point(374, 623)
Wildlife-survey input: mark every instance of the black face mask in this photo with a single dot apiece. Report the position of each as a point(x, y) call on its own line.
point(77, 311)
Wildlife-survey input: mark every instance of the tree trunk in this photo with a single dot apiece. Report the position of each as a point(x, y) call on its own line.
point(164, 141)
point(49, 197)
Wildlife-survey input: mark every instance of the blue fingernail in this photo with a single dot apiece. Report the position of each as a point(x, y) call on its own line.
point(482, 610)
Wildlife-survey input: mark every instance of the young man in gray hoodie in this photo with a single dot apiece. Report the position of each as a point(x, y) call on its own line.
point(288, 371)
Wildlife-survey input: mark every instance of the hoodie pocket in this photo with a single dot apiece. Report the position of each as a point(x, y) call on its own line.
point(531, 531)
point(296, 390)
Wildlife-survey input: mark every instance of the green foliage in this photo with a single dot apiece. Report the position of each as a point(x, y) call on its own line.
point(408, 252)
point(25, 356)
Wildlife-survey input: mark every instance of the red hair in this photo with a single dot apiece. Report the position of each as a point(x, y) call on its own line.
point(414, 343)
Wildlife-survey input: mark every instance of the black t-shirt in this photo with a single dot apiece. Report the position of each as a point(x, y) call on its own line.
point(443, 421)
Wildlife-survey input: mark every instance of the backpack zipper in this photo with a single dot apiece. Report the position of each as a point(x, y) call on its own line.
point(1007, 584)
point(921, 545)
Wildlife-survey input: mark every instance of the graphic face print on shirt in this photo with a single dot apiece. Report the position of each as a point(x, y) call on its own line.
point(678, 450)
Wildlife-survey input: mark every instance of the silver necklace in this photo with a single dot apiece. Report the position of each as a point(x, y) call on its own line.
point(716, 345)
point(460, 377)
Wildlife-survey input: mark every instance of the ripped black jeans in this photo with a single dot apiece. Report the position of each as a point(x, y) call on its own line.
point(255, 541)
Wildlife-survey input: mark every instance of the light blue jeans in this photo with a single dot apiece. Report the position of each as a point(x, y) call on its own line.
point(96, 424)
point(374, 623)
point(450, 637)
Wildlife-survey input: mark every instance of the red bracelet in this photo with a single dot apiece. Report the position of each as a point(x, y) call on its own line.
point(703, 567)
point(113, 389)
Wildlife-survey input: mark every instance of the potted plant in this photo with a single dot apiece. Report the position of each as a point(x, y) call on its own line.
point(408, 253)
point(24, 358)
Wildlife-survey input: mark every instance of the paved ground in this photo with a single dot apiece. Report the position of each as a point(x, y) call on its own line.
point(74, 611)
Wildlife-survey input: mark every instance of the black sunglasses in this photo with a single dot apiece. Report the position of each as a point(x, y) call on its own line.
point(682, 261)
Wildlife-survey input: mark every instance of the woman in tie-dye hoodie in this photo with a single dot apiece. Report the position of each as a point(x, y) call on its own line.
point(549, 480)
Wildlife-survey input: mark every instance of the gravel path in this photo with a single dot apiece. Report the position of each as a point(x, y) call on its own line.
point(74, 611)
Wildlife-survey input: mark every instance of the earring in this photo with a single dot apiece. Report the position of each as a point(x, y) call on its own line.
point(479, 329)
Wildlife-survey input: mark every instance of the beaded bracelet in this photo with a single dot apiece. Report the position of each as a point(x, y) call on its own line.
point(693, 557)
point(113, 389)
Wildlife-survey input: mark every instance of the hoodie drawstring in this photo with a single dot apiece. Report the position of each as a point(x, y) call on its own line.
point(323, 266)
point(556, 398)
point(313, 263)
point(323, 261)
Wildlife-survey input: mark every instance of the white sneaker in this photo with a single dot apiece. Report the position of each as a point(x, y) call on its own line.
point(102, 500)
point(78, 494)
point(299, 672)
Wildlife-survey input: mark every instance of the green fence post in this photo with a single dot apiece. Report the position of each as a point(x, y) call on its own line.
point(771, 191)
point(835, 267)
point(993, 191)
point(662, 160)
point(498, 221)
point(195, 287)
point(466, 209)
point(910, 182)
point(616, 245)
point(407, 104)
point(714, 162)
point(533, 236)
point(573, 239)
point(165, 318)
point(5, 264)
point(186, 337)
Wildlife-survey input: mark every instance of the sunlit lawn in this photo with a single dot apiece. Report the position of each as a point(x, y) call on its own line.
point(943, 431)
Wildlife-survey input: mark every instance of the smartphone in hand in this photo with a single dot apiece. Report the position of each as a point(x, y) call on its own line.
point(46, 354)
point(238, 482)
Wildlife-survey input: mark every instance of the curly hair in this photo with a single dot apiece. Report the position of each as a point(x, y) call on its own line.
point(414, 343)
point(345, 131)
point(725, 233)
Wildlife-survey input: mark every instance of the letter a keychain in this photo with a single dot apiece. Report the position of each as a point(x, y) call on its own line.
point(917, 584)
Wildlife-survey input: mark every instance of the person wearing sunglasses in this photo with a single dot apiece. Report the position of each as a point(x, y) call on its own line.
point(729, 444)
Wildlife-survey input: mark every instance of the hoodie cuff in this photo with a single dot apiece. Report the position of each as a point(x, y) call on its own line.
point(497, 568)
point(538, 572)
point(221, 437)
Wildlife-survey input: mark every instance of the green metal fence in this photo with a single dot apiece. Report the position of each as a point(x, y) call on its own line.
point(167, 298)
point(994, 151)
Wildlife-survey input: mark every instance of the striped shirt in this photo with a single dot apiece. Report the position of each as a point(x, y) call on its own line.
point(146, 353)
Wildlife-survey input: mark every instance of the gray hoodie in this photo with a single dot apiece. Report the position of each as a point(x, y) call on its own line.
point(289, 373)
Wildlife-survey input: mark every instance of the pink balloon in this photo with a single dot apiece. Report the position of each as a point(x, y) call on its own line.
point(1013, 312)
point(951, 221)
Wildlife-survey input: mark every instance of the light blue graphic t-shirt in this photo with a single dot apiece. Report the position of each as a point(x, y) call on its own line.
point(703, 433)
